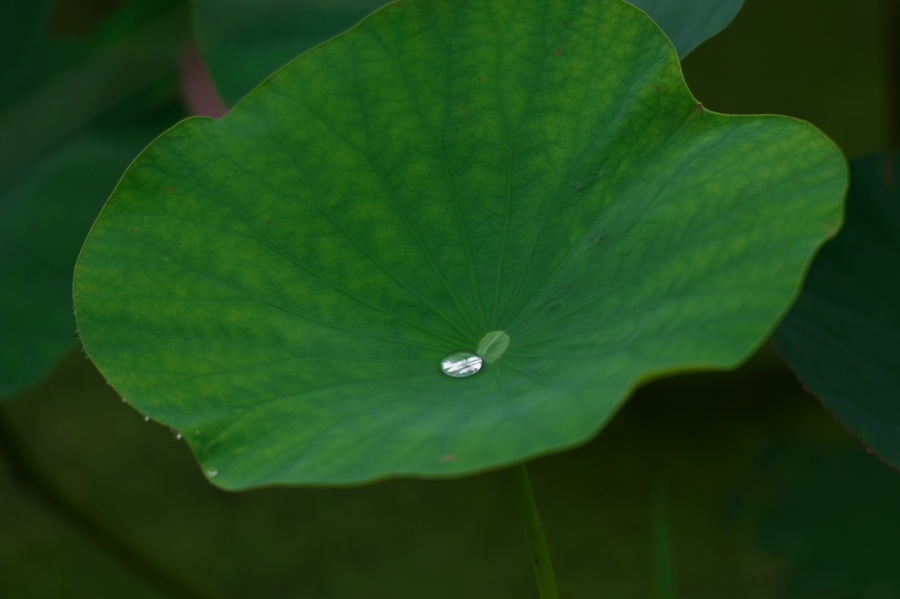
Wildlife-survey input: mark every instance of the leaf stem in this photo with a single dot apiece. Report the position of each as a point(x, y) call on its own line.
point(664, 586)
point(540, 552)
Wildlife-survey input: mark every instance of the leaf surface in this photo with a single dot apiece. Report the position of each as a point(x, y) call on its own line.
point(842, 338)
point(281, 284)
point(244, 41)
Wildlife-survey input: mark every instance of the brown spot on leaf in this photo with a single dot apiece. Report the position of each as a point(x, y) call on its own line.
point(557, 53)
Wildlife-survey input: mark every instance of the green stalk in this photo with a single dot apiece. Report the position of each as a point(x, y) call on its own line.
point(543, 568)
point(663, 554)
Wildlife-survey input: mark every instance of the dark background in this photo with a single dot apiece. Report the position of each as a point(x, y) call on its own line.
point(762, 493)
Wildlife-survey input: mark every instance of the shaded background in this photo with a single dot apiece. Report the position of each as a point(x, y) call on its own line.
point(764, 494)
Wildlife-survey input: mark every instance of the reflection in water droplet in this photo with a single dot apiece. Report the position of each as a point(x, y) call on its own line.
point(146, 419)
point(212, 473)
point(178, 437)
point(461, 364)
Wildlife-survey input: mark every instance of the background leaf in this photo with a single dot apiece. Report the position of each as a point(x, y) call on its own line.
point(71, 123)
point(775, 59)
point(71, 64)
point(281, 284)
point(46, 211)
point(244, 41)
point(689, 23)
point(843, 336)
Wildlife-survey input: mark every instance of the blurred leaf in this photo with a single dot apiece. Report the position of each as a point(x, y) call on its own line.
point(281, 284)
point(843, 336)
point(689, 23)
point(826, 520)
point(60, 81)
point(827, 63)
point(73, 64)
point(244, 41)
point(45, 214)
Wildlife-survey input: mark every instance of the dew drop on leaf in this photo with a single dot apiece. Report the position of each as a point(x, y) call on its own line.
point(460, 364)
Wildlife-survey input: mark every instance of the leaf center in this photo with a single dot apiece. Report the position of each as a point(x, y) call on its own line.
point(492, 346)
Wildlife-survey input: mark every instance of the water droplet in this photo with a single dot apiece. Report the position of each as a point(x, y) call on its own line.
point(460, 364)
point(212, 473)
point(84, 353)
point(146, 419)
point(178, 436)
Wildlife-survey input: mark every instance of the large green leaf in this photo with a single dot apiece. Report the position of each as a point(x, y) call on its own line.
point(843, 335)
point(282, 284)
point(70, 124)
point(246, 40)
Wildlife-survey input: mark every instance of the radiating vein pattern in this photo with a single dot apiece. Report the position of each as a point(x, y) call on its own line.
point(531, 181)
